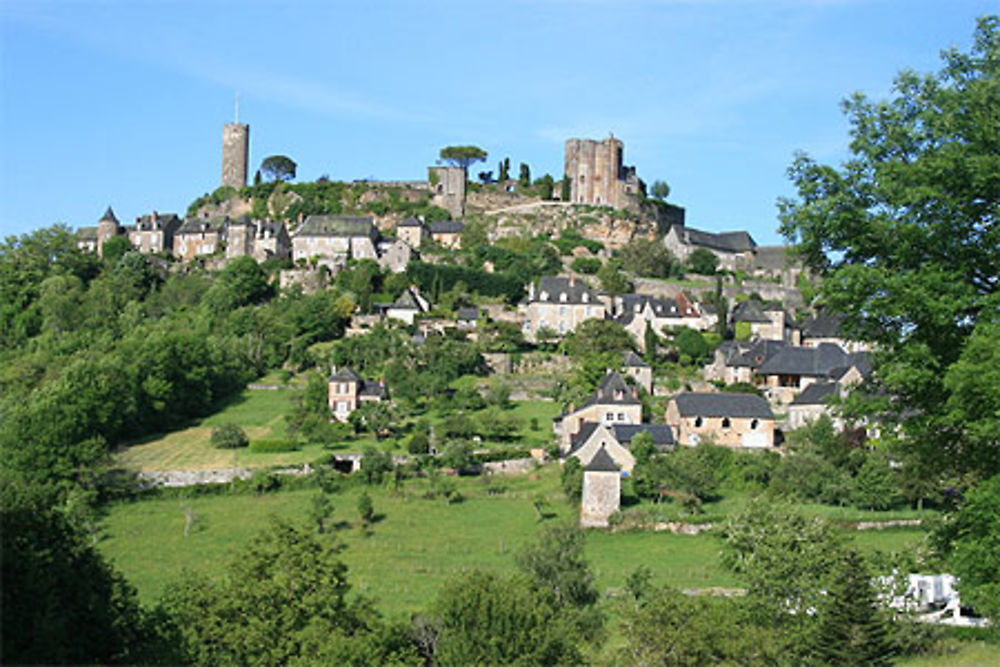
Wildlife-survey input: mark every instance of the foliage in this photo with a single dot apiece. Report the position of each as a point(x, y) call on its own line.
point(545, 186)
point(971, 542)
point(375, 465)
point(503, 284)
point(613, 279)
point(660, 189)
point(555, 563)
point(586, 265)
point(692, 347)
point(571, 479)
point(488, 619)
point(571, 238)
point(703, 261)
point(690, 470)
point(500, 336)
point(852, 629)
point(273, 445)
point(366, 509)
point(524, 175)
point(649, 258)
point(462, 156)
point(229, 436)
point(905, 235)
point(598, 337)
point(62, 604)
point(283, 600)
point(278, 168)
point(785, 558)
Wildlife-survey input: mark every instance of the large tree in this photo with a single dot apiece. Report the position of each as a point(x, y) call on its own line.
point(463, 156)
point(278, 167)
point(905, 234)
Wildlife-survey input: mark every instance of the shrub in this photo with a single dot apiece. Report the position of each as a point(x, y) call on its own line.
point(229, 436)
point(274, 445)
point(588, 265)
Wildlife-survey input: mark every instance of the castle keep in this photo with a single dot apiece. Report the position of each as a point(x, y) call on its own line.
point(597, 175)
point(235, 154)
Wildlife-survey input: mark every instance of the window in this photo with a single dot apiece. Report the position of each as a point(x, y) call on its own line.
point(563, 310)
point(562, 297)
point(725, 422)
point(754, 424)
point(621, 416)
point(609, 417)
point(698, 422)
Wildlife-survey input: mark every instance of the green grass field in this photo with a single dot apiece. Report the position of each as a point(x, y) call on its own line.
point(419, 543)
point(261, 413)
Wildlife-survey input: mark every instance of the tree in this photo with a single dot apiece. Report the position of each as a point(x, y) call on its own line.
point(524, 175)
point(61, 603)
point(703, 261)
point(229, 436)
point(555, 562)
point(487, 619)
point(660, 190)
point(595, 337)
point(545, 186)
point(463, 156)
point(571, 479)
point(852, 627)
point(905, 236)
point(283, 599)
point(366, 510)
point(650, 259)
point(486, 177)
point(970, 540)
point(565, 190)
point(503, 169)
point(278, 168)
point(613, 279)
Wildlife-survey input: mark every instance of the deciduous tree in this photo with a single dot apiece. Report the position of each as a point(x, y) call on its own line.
point(278, 168)
point(463, 156)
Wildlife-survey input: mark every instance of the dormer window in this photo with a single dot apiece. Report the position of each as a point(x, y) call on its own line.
point(698, 422)
point(725, 422)
point(585, 298)
point(562, 297)
point(543, 296)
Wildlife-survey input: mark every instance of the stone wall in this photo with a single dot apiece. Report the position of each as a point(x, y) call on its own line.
point(601, 498)
point(235, 154)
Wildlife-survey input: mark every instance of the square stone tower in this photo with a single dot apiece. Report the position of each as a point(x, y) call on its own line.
point(597, 175)
point(602, 490)
point(235, 154)
point(447, 186)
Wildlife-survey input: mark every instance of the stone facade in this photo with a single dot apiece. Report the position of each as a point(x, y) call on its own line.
point(154, 232)
point(198, 238)
point(235, 154)
point(331, 240)
point(602, 491)
point(614, 402)
point(412, 232)
point(107, 227)
point(447, 186)
point(730, 420)
point(559, 305)
point(347, 391)
point(597, 175)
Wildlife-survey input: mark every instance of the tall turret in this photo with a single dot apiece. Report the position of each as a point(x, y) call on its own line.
point(107, 227)
point(235, 154)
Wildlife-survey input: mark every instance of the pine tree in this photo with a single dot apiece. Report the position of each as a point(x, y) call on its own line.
point(852, 629)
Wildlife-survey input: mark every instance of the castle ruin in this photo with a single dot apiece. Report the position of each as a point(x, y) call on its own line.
point(597, 175)
point(448, 189)
point(235, 154)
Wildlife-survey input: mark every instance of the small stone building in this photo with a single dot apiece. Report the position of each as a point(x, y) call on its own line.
point(412, 232)
point(560, 305)
point(614, 402)
point(154, 232)
point(333, 239)
point(638, 370)
point(199, 237)
point(727, 419)
point(602, 491)
point(447, 233)
point(346, 392)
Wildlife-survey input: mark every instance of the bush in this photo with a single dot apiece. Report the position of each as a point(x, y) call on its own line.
point(229, 436)
point(419, 443)
point(588, 265)
point(273, 446)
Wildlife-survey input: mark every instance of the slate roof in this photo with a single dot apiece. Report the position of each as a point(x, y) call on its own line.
point(446, 227)
point(163, 220)
point(602, 462)
point(756, 354)
point(633, 360)
point(583, 435)
point(662, 434)
point(823, 325)
point(771, 257)
point(410, 222)
point(345, 374)
point(613, 390)
point(750, 311)
point(691, 404)
point(633, 304)
point(860, 360)
point(724, 241)
point(86, 233)
point(371, 388)
point(109, 216)
point(198, 225)
point(407, 300)
point(811, 361)
point(551, 287)
point(337, 225)
point(818, 393)
point(467, 313)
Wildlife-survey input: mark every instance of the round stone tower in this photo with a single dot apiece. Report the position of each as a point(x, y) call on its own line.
point(107, 227)
point(235, 154)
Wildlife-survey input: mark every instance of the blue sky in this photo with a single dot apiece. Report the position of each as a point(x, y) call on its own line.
point(122, 103)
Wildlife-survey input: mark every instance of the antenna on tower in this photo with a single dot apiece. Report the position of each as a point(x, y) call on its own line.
point(236, 113)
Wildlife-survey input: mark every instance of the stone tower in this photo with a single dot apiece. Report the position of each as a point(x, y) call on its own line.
point(235, 154)
point(602, 490)
point(597, 175)
point(448, 189)
point(107, 227)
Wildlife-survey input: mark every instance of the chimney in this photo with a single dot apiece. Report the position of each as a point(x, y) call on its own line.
point(572, 279)
point(300, 217)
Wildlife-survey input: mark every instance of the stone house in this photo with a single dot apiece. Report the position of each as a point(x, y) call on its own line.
point(773, 262)
point(412, 232)
point(614, 402)
point(261, 239)
point(602, 491)
point(467, 317)
point(766, 321)
point(447, 233)
point(616, 440)
point(560, 305)
point(86, 239)
point(394, 256)
point(638, 370)
point(346, 391)
point(826, 327)
point(154, 232)
point(738, 361)
point(634, 312)
point(199, 237)
point(331, 240)
point(814, 402)
point(793, 369)
point(408, 305)
point(735, 250)
point(727, 419)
